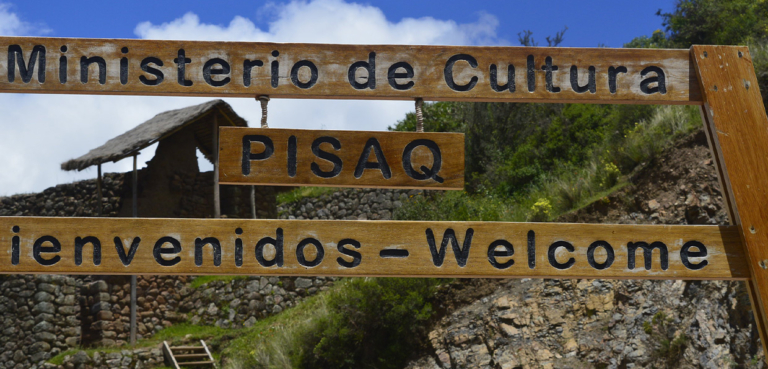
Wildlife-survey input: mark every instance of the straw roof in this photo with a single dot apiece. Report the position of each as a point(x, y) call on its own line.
point(197, 117)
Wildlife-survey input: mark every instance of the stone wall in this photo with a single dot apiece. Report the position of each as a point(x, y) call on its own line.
point(77, 199)
point(98, 307)
point(40, 318)
point(109, 299)
point(145, 357)
point(351, 204)
point(241, 302)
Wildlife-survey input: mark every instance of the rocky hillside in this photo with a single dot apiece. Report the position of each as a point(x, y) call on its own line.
point(609, 323)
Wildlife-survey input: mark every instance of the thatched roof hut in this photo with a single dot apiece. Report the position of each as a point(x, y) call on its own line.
point(199, 118)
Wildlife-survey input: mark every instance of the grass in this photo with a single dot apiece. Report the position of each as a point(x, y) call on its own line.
point(203, 279)
point(303, 192)
point(568, 187)
point(173, 334)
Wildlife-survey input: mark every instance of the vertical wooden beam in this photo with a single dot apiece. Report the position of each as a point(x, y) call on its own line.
point(215, 159)
point(253, 202)
point(135, 206)
point(738, 128)
point(98, 190)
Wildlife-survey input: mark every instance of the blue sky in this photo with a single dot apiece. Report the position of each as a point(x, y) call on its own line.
point(590, 23)
point(71, 125)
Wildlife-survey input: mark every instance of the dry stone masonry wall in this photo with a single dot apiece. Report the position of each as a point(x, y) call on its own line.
point(350, 204)
point(40, 318)
point(77, 199)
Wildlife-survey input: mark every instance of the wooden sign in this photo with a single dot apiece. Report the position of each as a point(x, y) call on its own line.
point(293, 157)
point(248, 69)
point(364, 248)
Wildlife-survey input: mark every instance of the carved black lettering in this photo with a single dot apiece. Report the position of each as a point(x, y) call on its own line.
point(145, 66)
point(159, 251)
point(302, 258)
point(215, 248)
point(510, 85)
point(277, 243)
point(124, 67)
point(216, 67)
point(591, 85)
point(15, 241)
point(337, 164)
point(647, 254)
point(181, 63)
point(248, 66)
point(38, 249)
point(313, 74)
point(356, 256)
point(660, 79)
point(248, 156)
point(370, 68)
point(613, 76)
point(126, 259)
point(63, 66)
point(548, 68)
point(426, 173)
point(85, 63)
point(494, 252)
point(608, 258)
point(448, 72)
point(81, 242)
point(686, 254)
point(37, 58)
point(531, 73)
point(238, 248)
point(552, 255)
point(380, 163)
point(462, 254)
point(292, 162)
point(275, 70)
point(531, 249)
point(393, 75)
point(393, 253)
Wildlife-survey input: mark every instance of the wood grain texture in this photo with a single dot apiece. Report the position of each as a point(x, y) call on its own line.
point(294, 76)
point(735, 114)
point(382, 248)
point(354, 148)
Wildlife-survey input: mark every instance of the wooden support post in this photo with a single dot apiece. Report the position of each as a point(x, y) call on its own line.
point(253, 202)
point(215, 159)
point(135, 204)
point(98, 190)
point(737, 125)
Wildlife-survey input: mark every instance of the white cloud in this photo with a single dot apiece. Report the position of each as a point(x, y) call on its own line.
point(12, 25)
point(41, 131)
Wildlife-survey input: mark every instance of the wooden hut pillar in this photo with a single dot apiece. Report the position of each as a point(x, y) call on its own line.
point(215, 159)
point(253, 202)
point(98, 191)
point(133, 277)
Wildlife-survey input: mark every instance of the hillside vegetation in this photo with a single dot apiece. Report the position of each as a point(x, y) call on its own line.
point(524, 162)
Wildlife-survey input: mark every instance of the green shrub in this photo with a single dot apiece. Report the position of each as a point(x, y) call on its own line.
point(371, 323)
point(541, 210)
point(456, 206)
point(669, 347)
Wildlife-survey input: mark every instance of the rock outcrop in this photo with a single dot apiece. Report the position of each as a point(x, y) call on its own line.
point(613, 323)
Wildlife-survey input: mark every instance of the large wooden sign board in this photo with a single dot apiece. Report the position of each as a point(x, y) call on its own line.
point(721, 79)
point(341, 158)
point(366, 248)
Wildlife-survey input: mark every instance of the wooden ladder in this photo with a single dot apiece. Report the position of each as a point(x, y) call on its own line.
point(179, 356)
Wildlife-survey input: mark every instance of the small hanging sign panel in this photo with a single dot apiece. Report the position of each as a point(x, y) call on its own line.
point(248, 69)
point(363, 248)
point(290, 157)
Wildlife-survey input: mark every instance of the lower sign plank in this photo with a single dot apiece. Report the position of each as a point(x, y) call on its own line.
point(362, 248)
point(341, 158)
